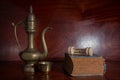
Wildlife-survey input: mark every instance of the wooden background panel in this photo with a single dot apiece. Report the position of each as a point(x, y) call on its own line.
point(79, 23)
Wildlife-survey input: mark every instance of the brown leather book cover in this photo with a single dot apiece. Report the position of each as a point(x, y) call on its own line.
point(84, 65)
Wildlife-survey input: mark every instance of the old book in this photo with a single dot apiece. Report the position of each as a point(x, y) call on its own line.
point(84, 65)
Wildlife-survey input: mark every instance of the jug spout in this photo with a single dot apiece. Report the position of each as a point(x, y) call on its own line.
point(45, 49)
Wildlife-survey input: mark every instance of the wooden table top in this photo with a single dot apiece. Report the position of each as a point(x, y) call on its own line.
point(13, 70)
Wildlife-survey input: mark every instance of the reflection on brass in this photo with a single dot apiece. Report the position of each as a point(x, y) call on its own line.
point(29, 76)
point(45, 77)
point(30, 55)
point(44, 67)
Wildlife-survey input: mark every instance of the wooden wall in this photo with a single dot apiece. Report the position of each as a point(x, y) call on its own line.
point(79, 23)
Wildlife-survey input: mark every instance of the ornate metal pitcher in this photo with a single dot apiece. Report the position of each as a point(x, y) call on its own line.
point(30, 55)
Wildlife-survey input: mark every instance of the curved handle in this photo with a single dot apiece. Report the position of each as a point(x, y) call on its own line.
point(16, 37)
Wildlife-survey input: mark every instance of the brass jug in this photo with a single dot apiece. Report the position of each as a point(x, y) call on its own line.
point(30, 55)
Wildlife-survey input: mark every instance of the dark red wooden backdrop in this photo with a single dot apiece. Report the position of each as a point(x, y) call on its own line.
point(79, 23)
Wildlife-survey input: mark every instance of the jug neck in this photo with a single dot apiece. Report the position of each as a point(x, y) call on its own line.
point(30, 40)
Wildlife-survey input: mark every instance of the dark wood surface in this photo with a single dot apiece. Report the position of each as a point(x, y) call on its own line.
point(79, 23)
point(14, 71)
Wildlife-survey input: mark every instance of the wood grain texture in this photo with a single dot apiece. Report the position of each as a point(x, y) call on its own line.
point(14, 71)
point(79, 23)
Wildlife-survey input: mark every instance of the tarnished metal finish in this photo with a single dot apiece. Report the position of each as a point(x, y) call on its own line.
point(30, 21)
point(30, 55)
point(45, 51)
point(44, 67)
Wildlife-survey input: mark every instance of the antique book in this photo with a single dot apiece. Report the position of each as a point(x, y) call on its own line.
point(84, 65)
